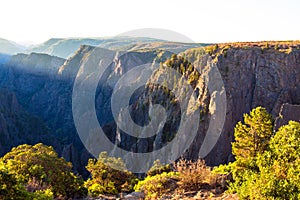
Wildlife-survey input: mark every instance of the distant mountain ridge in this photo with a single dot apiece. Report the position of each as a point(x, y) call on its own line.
point(66, 47)
point(10, 47)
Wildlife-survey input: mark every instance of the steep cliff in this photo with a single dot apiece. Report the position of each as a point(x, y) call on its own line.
point(50, 96)
point(287, 112)
point(254, 74)
point(19, 127)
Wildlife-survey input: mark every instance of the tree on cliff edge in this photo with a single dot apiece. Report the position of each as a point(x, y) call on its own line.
point(252, 137)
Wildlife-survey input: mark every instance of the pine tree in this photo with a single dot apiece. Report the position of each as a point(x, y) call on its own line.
point(252, 137)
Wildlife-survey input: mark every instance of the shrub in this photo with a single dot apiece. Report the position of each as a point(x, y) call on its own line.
point(39, 168)
point(157, 185)
point(193, 175)
point(272, 168)
point(109, 176)
point(279, 176)
point(158, 168)
point(42, 195)
point(10, 186)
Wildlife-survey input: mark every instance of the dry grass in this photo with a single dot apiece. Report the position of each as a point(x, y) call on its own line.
point(194, 175)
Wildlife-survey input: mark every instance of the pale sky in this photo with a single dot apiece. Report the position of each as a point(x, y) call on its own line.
point(202, 21)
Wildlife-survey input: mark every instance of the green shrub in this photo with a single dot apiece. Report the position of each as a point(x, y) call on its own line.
point(39, 168)
point(157, 185)
point(267, 166)
point(42, 195)
point(279, 166)
point(109, 176)
point(252, 138)
point(10, 186)
point(158, 168)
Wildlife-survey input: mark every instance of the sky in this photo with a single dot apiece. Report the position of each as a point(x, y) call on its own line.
point(209, 21)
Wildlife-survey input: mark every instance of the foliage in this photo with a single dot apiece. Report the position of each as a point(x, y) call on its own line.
point(39, 168)
point(184, 67)
point(272, 168)
point(158, 168)
point(10, 187)
point(109, 176)
point(211, 49)
point(157, 185)
point(279, 176)
point(252, 137)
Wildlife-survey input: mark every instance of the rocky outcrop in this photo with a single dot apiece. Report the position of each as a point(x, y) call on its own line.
point(261, 75)
point(50, 97)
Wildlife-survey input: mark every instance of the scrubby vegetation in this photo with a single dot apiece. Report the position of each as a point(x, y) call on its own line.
point(185, 177)
point(37, 170)
point(184, 67)
point(109, 176)
point(266, 166)
point(156, 186)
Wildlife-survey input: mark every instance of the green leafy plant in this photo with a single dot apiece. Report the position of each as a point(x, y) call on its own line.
point(155, 186)
point(252, 137)
point(279, 166)
point(39, 168)
point(109, 176)
point(158, 168)
point(267, 165)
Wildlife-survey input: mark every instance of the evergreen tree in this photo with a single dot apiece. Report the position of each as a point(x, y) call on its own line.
point(252, 136)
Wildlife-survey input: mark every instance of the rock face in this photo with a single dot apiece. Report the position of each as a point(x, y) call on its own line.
point(287, 112)
point(50, 96)
point(255, 76)
point(18, 127)
point(43, 93)
point(252, 76)
point(4, 58)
